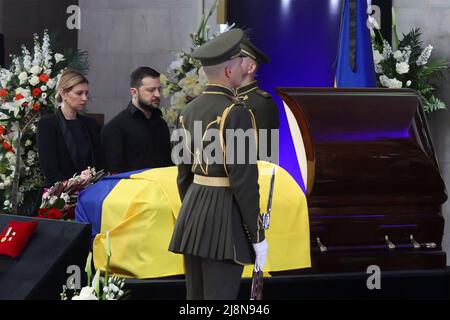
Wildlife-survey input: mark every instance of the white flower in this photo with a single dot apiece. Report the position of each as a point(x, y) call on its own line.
point(402, 67)
point(424, 56)
point(28, 143)
point(384, 80)
point(178, 100)
point(35, 70)
point(387, 50)
point(390, 83)
point(51, 83)
point(52, 200)
point(34, 80)
point(7, 181)
point(374, 22)
point(394, 84)
point(377, 57)
point(59, 57)
point(398, 55)
point(43, 88)
point(43, 96)
point(408, 83)
point(176, 64)
point(87, 293)
point(6, 203)
point(65, 197)
point(23, 76)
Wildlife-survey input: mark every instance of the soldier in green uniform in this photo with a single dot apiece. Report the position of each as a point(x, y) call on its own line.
point(218, 229)
point(259, 101)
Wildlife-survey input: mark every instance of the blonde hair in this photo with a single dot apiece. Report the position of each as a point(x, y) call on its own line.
point(69, 79)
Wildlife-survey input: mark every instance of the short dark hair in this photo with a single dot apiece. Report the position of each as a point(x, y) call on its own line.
point(140, 73)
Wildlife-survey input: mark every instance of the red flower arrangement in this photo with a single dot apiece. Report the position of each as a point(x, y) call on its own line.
point(60, 200)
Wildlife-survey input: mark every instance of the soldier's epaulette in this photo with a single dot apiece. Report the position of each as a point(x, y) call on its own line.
point(263, 93)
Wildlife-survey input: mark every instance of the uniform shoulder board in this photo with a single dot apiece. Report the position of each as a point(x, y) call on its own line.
point(263, 93)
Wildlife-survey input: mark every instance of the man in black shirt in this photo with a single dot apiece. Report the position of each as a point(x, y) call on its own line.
point(138, 137)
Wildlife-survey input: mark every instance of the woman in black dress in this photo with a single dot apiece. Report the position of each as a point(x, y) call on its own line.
point(69, 142)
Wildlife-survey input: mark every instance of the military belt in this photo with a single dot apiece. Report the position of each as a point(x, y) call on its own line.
point(211, 181)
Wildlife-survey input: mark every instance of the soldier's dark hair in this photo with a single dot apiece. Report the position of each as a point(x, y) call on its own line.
point(140, 73)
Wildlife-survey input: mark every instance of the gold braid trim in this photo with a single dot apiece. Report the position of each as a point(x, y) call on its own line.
point(222, 142)
point(254, 128)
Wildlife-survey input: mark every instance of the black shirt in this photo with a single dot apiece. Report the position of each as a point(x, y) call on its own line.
point(133, 142)
point(82, 144)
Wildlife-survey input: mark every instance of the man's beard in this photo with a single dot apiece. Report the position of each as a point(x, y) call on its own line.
point(146, 106)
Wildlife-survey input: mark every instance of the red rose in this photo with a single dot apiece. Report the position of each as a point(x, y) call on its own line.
point(36, 92)
point(3, 93)
point(18, 96)
point(44, 77)
point(52, 213)
point(2, 130)
point(36, 106)
point(7, 147)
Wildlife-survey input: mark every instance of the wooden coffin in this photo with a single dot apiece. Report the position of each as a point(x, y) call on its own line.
point(373, 183)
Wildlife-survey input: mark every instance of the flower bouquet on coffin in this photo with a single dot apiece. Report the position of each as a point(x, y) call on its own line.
point(406, 64)
point(59, 201)
point(99, 287)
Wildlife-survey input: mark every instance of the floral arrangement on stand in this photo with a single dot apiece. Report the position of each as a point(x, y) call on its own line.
point(27, 91)
point(185, 77)
point(406, 64)
point(59, 201)
point(101, 287)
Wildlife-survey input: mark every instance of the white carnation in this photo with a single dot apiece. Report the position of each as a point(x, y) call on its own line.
point(23, 76)
point(34, 80)
point(43, 88)
point(402, 67)
point(35, 70)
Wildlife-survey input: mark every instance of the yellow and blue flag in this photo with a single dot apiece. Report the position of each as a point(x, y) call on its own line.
point(139, 209)
point(355, 66)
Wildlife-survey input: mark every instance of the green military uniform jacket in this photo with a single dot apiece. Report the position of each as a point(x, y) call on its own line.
point(263, 107)
point(218, 223)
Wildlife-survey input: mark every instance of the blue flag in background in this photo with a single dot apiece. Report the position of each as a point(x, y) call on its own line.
point(355, 67)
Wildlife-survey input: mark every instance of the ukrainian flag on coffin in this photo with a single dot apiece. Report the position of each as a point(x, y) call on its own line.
point(140, 209)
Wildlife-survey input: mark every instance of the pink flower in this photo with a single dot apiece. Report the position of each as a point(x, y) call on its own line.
point(85, 176)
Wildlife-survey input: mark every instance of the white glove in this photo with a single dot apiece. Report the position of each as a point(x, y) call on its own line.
point(261, 249)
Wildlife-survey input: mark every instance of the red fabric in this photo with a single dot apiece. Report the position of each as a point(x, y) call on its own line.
point(15, 237)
